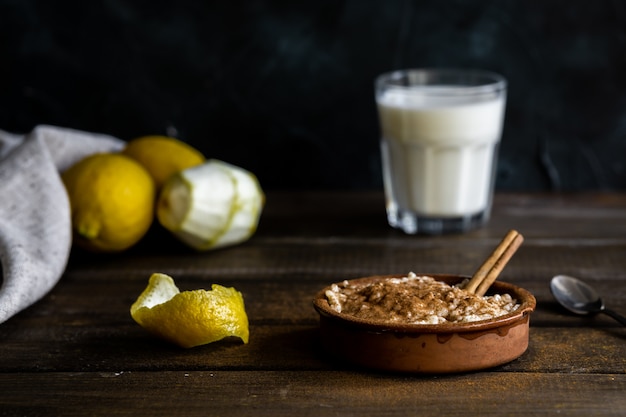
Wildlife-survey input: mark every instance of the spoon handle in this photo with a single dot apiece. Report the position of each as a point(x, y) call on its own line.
point(615, 315)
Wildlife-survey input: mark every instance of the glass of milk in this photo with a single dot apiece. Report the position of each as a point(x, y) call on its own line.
point(440, 130)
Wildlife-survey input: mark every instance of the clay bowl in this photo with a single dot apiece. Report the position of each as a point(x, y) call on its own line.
point(427, 348)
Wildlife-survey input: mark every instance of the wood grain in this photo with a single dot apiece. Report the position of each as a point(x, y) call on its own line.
point(78, 352)
point(335, 393)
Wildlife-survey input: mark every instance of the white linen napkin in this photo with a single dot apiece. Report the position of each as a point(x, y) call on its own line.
point(35, 219)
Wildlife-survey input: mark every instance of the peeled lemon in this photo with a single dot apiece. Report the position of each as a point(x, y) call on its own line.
point(190, 318)
point(162, 156)
point(212, 205)
point(112, 201)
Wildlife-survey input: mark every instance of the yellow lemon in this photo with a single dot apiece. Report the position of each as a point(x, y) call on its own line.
point(112, 201)
point(163, 156)
point(190, 318)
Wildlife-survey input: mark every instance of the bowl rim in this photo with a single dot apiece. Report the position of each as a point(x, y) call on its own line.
point(526, 300)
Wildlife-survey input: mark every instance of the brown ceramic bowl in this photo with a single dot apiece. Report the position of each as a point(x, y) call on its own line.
point(427, 348)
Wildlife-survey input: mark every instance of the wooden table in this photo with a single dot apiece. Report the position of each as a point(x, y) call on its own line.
point(78, 352)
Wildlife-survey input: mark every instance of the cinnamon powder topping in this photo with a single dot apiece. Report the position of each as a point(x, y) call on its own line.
point(416, 300)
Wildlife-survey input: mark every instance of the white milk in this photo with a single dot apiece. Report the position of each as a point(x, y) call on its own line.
point(439, 152)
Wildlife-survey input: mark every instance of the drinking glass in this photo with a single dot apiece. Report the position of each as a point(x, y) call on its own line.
point(440, 131)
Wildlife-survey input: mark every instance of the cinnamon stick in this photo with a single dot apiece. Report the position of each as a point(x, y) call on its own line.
point(495, 263)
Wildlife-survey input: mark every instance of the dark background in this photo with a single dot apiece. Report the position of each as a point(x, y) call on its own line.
point(285, 88)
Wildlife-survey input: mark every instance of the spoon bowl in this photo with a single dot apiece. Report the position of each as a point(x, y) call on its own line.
point(580, 298)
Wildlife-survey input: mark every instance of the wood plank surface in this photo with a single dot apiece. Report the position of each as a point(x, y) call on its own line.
point(117, 347)
point(78, 351)
point(333, 393)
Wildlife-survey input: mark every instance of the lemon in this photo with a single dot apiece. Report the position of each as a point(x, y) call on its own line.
point(112, 201)
point(190, 318)
point(162, 156)
point(212, 205)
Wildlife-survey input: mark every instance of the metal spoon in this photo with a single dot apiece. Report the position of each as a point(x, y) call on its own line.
point(580, 298)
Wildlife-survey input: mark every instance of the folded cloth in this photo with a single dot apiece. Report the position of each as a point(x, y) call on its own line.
point(35, 219)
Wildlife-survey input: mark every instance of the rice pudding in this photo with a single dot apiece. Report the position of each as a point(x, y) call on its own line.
point(416, 300)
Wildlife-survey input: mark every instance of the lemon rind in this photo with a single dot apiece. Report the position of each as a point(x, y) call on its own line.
point(222, 313)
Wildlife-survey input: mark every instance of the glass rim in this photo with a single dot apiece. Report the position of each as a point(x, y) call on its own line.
point(465, 79)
